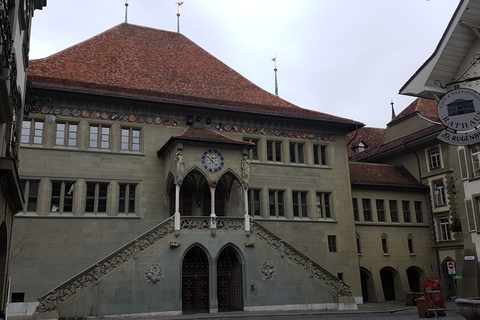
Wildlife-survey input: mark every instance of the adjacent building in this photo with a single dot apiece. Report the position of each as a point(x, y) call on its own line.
point(15, 20)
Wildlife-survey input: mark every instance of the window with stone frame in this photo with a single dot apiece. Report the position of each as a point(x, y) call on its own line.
point(475, 152)
point(434, 160)
point(276, 203)
point(444, 226)
point(320, 155)
point(254, 201)
point(130, 139)
point(418, 211)
point(32, 132)
point(406, 211)
point(332, 243)
point(367, 209)
point(99, 137)
point(393, 210)
point(253, 152)
point(96, 197)
point(274, 151)
point(380, 203)
point(30, 190)
point(324, 209)
point(356, 214)
point(126, 198)
point(438, 193)
point(297, 152)
point(66, 134)
point(300, 204)
point(61, 200)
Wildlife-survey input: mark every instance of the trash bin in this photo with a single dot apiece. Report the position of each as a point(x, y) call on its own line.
point(422, 308)
point(410, 298)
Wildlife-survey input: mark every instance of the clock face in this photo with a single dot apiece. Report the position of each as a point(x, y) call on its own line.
point(213, 160)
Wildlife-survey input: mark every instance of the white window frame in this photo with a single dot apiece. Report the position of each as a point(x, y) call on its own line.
point(32, 132)
point(130, 139)
point(444, 229)
point(70, 132)
point(439, 196)
point(99, 137)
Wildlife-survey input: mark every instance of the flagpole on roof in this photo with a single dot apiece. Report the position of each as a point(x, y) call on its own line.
point(276, 83)
point(126, 7)
point(393, 110)
point(178, 16)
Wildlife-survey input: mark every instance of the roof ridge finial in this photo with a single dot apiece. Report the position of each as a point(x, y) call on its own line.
point(276, 83)
point(126, 7)
point(178, 15)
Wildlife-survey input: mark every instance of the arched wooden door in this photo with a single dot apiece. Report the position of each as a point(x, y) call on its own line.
point(229, 281)
point(195, 288)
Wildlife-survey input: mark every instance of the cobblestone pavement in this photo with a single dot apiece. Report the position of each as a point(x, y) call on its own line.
point(370, 311)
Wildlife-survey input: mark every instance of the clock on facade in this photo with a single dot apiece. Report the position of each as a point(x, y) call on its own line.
point(212, 160)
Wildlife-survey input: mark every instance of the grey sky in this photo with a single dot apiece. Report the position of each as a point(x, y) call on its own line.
point(348, 58)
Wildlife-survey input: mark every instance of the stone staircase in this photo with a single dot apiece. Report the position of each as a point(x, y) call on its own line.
point(50, 302)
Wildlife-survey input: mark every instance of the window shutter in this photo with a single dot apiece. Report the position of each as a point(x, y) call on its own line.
point(462, 161)
point(472, 222)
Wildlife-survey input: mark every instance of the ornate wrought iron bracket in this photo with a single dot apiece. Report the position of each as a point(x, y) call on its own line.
point(465, 78)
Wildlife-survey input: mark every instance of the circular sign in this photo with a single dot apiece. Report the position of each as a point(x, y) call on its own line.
point(459, 109)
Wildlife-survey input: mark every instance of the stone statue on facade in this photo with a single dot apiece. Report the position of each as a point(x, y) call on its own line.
point(180, 166)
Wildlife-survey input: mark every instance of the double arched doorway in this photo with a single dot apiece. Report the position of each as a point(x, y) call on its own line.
point(196, 197)
point(199, 278)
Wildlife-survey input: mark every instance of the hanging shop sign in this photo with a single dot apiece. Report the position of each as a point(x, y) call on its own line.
point(459, 111)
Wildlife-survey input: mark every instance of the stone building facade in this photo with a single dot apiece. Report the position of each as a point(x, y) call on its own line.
point(168, 167)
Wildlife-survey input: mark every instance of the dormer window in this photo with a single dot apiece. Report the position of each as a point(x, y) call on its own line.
point(359, 148)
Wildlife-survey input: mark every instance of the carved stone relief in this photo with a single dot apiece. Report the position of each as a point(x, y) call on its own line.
point(268, 270)
point(154, 273)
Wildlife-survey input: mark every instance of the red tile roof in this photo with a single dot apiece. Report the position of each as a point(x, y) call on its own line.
point(370, 137)
point(201, 134)
point(151, 64)
point(423, 107)
point(382, 175)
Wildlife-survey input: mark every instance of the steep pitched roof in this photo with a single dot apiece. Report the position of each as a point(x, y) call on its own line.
point(382, 175)
point(426, 108)
point(151, 64)
point(201, 134)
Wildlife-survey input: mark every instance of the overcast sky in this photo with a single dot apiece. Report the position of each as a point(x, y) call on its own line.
point(348, 58)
